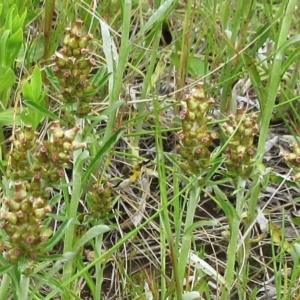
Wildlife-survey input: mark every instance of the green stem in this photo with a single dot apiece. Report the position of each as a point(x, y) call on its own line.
point(268, 109)
point(231, 258)
point(72, 209)
point(23, 288)
point(122, 62)
point(147, 80)
point(5, 282)
point(99, 269)
point(194, 196)
point(185, 49)
point(266, 117)
point(166, 233)
point(233, 253)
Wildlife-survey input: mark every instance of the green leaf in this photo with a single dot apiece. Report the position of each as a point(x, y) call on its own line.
point(42, 110)
point(53, 79)
point(3, 42)
point(196, 66)
point(8, 117)
point(90, 234)
point(225, 205)
point(288, 43)
point(100, 78)
point(36, 83)
point(104, 150)
point(103, 116)
point(27, 91)
point(18, 21)
point(7, 79)
point(14, 44)
point(9, 18)
point(157, 16)
point(5, 269)
point(48, 246)
point(260, 36)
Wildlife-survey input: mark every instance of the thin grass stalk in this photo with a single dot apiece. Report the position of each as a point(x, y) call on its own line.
point(71, 213)
point(99, 269)
point(177, 209)
point(185, 49)
point(122, 62)
point(233, 253)
point(147, 81)
point(234, 42)
point(194, 197)
point(166, 232)
point(268, 110)
point(231, 259)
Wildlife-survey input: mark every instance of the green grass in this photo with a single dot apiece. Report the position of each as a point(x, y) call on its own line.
point(168, 234)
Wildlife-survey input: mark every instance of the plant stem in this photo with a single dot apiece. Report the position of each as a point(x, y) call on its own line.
point(233, 252)
point(166, 233)
point(23, 288)
point(185, 50)
point(99, 269)
point(268, 108)
point(122, 61)
point(147, 80)
point(288, 9)
point(5, 282)
point(72, 209)
point(194, 196)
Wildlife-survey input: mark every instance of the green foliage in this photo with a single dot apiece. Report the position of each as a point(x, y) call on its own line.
point(33, 94)
point(208, 222)
point(11, 40)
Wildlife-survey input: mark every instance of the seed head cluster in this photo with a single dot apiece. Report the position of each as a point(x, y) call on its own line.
point(100, 200)
point(33, 168)
point(240, 131)
point(196, 137)
point(72, 66)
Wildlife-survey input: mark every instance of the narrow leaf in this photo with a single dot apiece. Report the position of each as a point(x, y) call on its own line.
point(89, 235)
point(104, 149)
point(159, 15)
point(42, 110)
point(8, 117)
point(7, 80)
point(48, 246)
point(36, 83)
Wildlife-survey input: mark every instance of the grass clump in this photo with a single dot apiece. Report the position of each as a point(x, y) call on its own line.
point(112, 190)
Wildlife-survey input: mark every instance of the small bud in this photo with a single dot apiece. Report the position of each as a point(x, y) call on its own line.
point(20, 191)
point(13, 205)
point(192, 104)
point(84, 51)
point(30, 239)
point(56, 130)
point(78, 145)
point(46, 234)
point(71, 133)
point(9, 217)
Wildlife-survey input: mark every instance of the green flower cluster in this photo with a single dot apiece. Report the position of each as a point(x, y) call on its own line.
point(293, 161)
point(196, 137)
point(100, 201)
point(240, 131)
point(33, 169)
point(72, 66)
